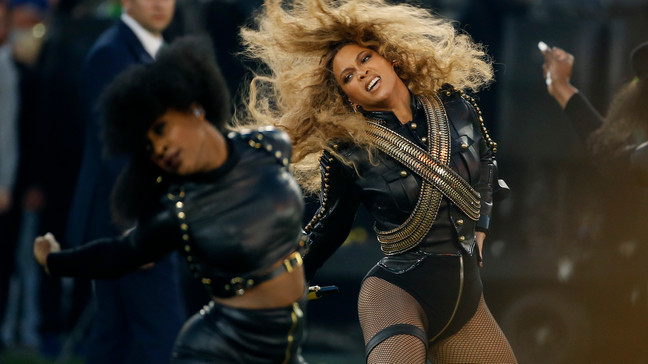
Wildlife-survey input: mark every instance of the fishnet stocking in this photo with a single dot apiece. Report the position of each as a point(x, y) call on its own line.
point(479, 341)
point(382, 304)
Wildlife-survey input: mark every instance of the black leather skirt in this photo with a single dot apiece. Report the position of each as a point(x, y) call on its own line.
point(222, 334)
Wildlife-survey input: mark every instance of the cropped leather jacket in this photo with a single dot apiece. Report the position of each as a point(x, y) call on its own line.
point(232, 223)
point(389, 191)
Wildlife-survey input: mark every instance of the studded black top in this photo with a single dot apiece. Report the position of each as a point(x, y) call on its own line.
point(235, 221)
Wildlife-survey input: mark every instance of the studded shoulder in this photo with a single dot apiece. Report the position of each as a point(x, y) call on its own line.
point(268, 139)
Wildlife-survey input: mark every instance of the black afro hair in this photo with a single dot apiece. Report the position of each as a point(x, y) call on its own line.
point(184, 73)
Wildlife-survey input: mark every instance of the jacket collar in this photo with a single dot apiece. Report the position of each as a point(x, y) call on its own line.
point(133, 43)
point(150, 42)
point(390, 117)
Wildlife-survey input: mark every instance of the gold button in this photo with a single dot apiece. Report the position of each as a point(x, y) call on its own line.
point(252, 143)
point(181, 215)
point(403, 173)
point(184, 226)
point(335, 146)
point(278, 154)
point(260, 136)
point(185, 237)
point(159, 179)
point(179, 204)
point(206, 281)
point(257, 145)
point(413, 126)
point(187, 248)
point(460, 222)
point(462, 238)
point(424, 139)
point(269, 147)
point(464, 145)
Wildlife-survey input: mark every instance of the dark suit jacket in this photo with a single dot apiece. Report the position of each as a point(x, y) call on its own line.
point(115, 50)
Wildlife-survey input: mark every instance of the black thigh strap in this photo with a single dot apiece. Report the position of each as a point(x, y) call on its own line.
point(393, 330)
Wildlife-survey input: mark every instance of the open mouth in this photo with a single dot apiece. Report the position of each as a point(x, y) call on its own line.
point(373, 83)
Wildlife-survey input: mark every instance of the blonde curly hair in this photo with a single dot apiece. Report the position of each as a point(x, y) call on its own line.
point(297, 40)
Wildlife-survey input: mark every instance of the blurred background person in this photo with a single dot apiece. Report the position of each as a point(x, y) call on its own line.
point(9, 112)
point(8, 152)
point(139, 315)
point(617, 140)
point(21, 318)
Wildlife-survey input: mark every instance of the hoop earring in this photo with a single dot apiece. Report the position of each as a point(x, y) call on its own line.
point(354, 106)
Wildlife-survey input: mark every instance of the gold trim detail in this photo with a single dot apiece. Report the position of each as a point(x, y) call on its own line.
point(323, 198)
point(438, 178)
point(294, 316)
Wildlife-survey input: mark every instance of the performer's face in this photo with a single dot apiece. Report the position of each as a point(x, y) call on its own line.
point(152, 15)
point(176, 142)
point(366, 77)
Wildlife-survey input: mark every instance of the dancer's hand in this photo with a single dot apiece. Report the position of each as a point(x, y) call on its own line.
point(43, 246)
point(480, 235)
point(557, 71)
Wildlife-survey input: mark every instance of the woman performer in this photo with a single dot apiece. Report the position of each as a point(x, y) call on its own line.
point(374, 91)
point(227, 202)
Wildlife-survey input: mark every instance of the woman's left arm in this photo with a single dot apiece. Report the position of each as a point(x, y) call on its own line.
point(489, 185)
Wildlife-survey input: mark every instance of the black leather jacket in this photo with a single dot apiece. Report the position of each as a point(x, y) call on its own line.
point(234, 221)
point(389, 191)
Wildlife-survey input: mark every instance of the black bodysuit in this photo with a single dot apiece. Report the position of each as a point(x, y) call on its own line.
point(430, 272)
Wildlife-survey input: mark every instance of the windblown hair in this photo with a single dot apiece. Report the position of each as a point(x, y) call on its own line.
point(626, 122)
point(185, 73)
point(297, 41)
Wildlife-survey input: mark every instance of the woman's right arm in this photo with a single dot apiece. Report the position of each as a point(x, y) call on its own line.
point(557, 71)
point(110, 257)
point(339, 202)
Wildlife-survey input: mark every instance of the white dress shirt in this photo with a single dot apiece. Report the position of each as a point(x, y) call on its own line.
point(151, 42)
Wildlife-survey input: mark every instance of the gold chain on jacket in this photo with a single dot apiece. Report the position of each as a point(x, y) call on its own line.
point(438, 178)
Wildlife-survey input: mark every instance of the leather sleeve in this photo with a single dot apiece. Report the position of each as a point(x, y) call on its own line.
point(113, 257)
point(488, 179)
point(339, 202)
point(583, 116)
